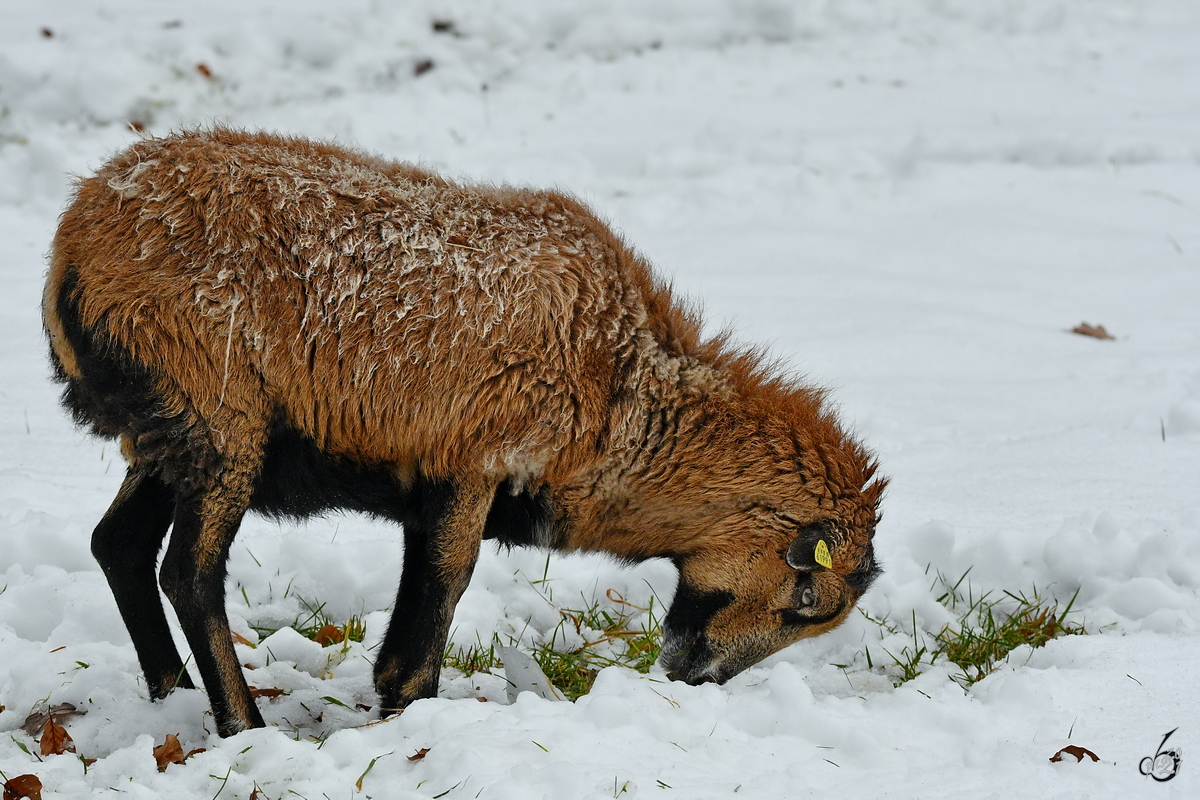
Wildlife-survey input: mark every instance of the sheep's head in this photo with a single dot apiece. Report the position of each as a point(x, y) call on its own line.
point(766, 580)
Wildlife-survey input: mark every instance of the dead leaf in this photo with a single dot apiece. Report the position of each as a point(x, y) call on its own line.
point(327, 636)
point(422, 66)
point(203, 69)
point(55, 740)
point(239, 639)
point(169, 752)
point(37, 720)
point(362, 707)
point(1095, 331)
point(195, 752)
point(1077, 751)
point(417, 756)
point(23, 786)
point(47, 33)
point(270, 694)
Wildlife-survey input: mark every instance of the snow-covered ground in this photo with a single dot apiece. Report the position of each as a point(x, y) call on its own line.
point(913, 201)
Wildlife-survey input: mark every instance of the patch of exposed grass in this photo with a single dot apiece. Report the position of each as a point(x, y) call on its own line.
point(984, 638)
point(469, 660)
point(598, 633)
point(988, 628)
point(610, 639)
point(611, 636)
point(314, 623)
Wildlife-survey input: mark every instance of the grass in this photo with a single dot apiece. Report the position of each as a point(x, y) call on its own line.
point(573, 669)
point(611, 631)
point(315, 624)
point(610, 636)
point(988, 628)
point(614, 632)
point(473, 659)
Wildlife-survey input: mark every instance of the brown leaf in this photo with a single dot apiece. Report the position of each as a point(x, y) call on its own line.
point(37, 720)
point(203, 69)
point(417, 756)
point(47, 33)
point(1096, 331)
point(55, 740)
point(362, 707)
point(270, 694)
point(23, 786)
point(327, 636)
point(239, 639)
point(1077, 751)
point(169, 752)
point(195, 752)
point(422, 66)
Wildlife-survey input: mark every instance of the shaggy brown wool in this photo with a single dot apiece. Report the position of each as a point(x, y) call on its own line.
point(469, 335)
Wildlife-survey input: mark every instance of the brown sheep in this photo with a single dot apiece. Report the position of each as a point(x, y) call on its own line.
point(284, 326)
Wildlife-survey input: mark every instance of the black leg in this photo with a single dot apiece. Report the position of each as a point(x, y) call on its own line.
point(441, 545)
point(193, 577)
point(126, 543)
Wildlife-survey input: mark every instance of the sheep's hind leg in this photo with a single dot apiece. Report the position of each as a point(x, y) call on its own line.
point(126, 544)
point(441, 545)
point(193, 577)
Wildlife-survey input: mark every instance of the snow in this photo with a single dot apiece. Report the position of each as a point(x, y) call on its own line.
point(912, 201)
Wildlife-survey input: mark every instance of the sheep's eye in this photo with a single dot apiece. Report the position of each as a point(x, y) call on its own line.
point(807, 598)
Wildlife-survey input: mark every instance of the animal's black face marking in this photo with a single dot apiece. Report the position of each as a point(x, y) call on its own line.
point(785, 588)
point(686, 653)
point(799, 618)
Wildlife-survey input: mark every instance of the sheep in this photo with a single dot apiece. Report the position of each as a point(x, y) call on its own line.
point(289, 327)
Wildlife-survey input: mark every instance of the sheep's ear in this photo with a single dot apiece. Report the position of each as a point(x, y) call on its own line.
point(810, 550)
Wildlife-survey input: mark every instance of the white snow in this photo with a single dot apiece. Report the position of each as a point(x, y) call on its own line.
point(912, 201)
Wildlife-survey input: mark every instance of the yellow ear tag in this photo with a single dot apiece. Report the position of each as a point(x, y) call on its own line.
point(821, 555)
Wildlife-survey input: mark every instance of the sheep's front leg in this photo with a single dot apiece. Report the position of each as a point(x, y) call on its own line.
point(441, 545)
